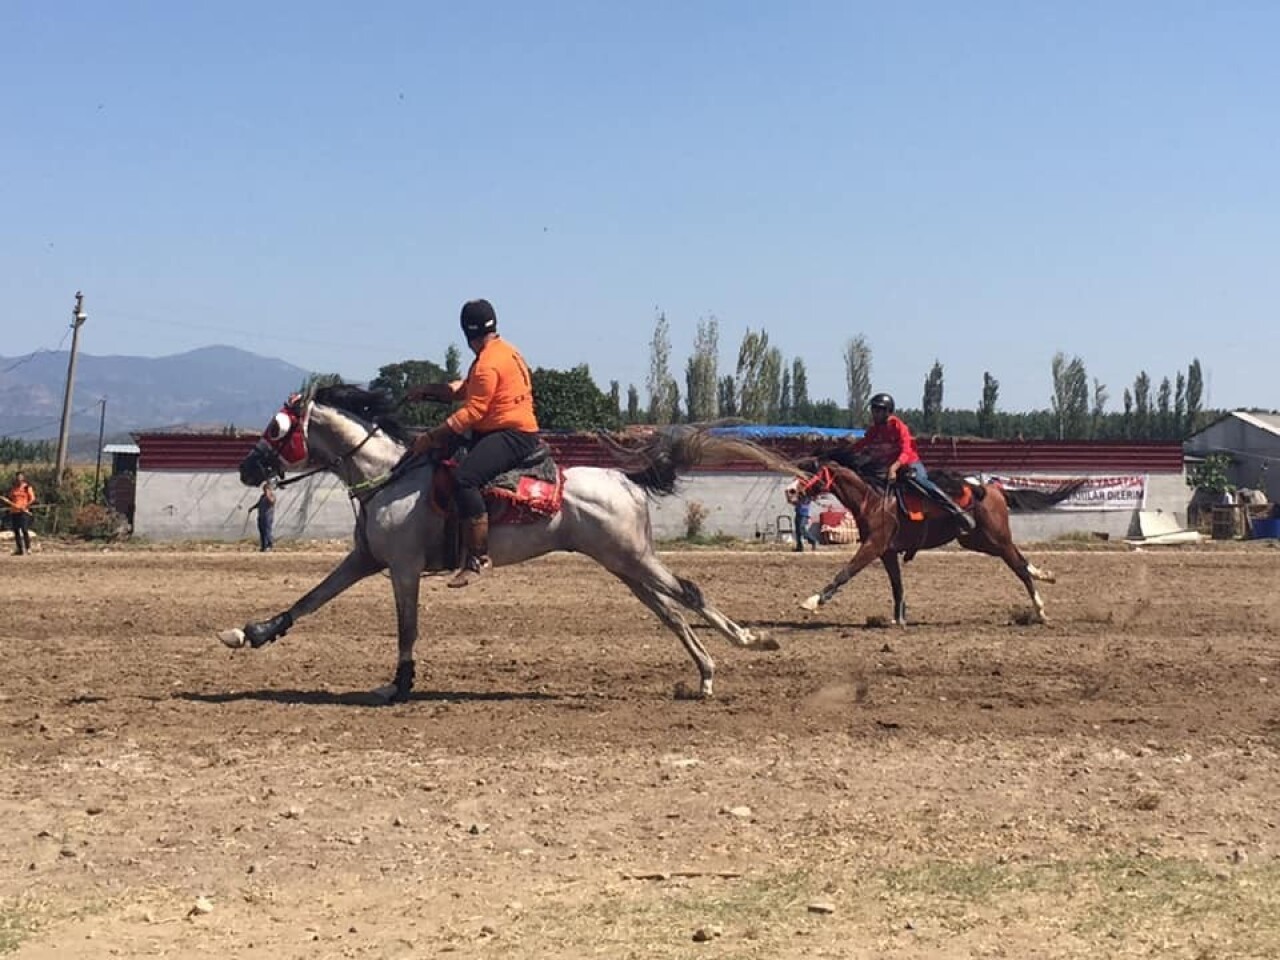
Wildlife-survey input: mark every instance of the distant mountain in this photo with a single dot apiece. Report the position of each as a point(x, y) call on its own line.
point(207, 388)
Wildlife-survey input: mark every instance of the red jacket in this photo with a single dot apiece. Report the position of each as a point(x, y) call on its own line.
point(888, 443)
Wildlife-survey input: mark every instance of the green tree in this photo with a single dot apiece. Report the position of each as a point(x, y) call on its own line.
point(987, 408)
point(1070, 400)
point(931, 407)
point(1195, 392)
point(397, 378)
point(633, 404)
point(702, 378)
point(857, 375)
point(728, 398)
point(752, 382)
point(570, 400)
point(1142, 426)
point(771, 384)
point(1180, 405)
point(18, 451)
point(799, 390)
point(1100, 397)
point(1164, 410)
point(314, 381)
point(452, 363)
point(664, 396)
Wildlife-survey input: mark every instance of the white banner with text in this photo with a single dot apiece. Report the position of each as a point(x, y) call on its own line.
point(1096, 493)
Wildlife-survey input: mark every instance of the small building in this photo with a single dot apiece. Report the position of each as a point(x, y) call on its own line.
point(121, 484)
point(1251, 440)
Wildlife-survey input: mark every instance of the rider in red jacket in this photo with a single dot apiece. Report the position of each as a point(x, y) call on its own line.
point(889, 444)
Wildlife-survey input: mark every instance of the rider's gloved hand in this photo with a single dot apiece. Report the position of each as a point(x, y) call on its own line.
point(432, 439)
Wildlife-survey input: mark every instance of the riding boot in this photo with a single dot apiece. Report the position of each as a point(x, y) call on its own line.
point(962, 517)
point(476, 532)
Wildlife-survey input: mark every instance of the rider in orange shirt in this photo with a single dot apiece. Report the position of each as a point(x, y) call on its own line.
point(889, 444)
point(497, 408)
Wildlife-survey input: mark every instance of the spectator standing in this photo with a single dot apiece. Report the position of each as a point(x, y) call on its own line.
point(803, 530)
point(266, 507)
point(18, 501)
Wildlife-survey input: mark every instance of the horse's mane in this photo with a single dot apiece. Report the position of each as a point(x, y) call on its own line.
point(373, 406)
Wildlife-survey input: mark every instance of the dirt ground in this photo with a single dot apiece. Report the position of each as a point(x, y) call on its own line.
point(1105, 785)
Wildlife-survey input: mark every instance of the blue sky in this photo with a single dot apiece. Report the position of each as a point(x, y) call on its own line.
point(981, 184)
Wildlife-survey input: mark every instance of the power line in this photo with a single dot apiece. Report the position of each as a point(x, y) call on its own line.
point(35, 353)
point(46, 423)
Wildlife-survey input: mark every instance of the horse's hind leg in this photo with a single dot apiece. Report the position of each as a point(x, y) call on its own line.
point(667, 613)
point(647, 569)
point(1026, 571)
point(893, 567)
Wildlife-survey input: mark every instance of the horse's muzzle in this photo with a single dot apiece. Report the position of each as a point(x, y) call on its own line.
point(259, 467)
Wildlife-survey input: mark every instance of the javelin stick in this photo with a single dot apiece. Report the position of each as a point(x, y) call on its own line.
point(14, 505)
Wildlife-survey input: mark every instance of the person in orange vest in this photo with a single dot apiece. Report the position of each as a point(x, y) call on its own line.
point(19, 500)
point(497, 409)
point(889, 444)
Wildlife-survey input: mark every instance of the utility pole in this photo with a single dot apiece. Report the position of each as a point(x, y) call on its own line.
point(97, 473)
point(78, 318)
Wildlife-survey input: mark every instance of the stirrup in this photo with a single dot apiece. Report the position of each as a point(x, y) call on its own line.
point(472, 570)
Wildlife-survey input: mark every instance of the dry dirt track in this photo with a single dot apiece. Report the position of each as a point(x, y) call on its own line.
point(1102, 786)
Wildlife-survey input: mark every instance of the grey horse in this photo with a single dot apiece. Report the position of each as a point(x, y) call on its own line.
point(352, 433)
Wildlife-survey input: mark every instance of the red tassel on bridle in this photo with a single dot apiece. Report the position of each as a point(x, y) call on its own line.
point(820, 482)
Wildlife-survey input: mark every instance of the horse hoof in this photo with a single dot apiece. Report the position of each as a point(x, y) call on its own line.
point(385, 694)
point(811, 603)
point(234, 638)
point(684, 692)
point(766, 642)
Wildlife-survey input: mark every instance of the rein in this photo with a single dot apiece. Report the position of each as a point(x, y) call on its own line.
point(354, 489)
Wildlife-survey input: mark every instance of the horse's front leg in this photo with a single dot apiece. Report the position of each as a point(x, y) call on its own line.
point(406, 584)
point(355, 566)
point(869, 551)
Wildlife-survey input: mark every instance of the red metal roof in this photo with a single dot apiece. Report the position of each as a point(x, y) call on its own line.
point(193, 451)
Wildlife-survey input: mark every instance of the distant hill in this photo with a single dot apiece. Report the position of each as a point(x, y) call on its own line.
point(202, 389)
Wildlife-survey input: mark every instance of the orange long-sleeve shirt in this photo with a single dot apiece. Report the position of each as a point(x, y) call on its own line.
point(497, 394)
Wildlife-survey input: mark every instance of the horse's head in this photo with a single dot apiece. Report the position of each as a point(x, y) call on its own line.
point(282, 446)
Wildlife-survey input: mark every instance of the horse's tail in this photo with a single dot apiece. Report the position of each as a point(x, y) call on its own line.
point(655, 462)
point(1032, 500)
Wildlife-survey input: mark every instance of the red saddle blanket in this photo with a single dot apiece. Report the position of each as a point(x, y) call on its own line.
point(523, 494)
point(916, 506)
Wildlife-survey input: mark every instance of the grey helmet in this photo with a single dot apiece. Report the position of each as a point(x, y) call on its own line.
point(882, 401)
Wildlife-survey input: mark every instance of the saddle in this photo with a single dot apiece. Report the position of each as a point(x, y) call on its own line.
point(528, 492)
point(916, 505)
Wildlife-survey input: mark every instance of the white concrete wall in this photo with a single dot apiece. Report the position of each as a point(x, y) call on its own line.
point(176, 505)
point(741, 504)
point(214, 505)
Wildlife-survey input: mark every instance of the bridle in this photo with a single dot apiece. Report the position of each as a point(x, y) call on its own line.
point(288, 430)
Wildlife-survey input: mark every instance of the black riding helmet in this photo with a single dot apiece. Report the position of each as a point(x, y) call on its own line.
point(478, 319)
point(882, 401)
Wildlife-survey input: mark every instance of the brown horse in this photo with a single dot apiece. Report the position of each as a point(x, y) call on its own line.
point(895, 523)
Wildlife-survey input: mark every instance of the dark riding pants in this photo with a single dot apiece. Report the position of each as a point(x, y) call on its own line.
point(21, 524)
point(489, 456)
